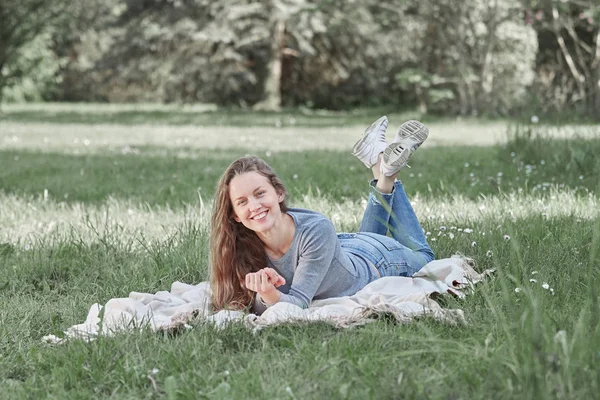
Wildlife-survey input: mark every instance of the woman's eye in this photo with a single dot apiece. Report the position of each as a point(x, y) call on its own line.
point(241, 202)
point(260, 193)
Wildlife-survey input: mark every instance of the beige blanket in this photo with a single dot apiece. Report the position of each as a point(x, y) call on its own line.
point(403, 298)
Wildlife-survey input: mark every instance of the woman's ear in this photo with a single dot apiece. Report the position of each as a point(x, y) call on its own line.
point(281, 197)
point(235, 217)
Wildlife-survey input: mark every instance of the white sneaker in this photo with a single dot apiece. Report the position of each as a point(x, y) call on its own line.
point(372, 143)
point(408, 139)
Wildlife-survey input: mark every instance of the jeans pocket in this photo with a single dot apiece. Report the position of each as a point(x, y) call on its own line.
point(382, 242)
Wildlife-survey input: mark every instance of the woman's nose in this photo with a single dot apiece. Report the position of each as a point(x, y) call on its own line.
point(254, 204)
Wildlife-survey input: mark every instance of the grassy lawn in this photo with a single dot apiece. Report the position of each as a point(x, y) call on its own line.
point(99, 201)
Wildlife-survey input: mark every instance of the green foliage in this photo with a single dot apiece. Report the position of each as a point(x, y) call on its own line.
point(37, 66)
point(474, 57)
point(24, 43)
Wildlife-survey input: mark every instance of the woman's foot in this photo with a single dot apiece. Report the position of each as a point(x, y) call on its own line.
point(372, 143)
point(408, 139)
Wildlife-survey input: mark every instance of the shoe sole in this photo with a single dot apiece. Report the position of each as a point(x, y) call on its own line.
point(394, 158)
point(410, 136)
point(412, 132)
point(366, 138)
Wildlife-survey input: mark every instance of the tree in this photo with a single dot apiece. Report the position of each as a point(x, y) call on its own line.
point(474, 57)
point(569, 61)
point(22, 22)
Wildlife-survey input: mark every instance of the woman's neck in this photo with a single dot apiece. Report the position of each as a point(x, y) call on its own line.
point(278, 240)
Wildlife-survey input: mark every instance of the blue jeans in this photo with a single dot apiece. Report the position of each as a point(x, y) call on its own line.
point(402, 254)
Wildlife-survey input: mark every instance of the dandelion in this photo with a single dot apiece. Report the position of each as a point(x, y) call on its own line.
point(517, 290)
point(580, 177)
point(295, 176)
point(543, 162)
point(533, 280)
point(513, 154)
point(451, 235)
point(427, 233)
point(154, 371)
point(535, 119)
point(268, 154)
point(468, 230)
point(466, 165)
point(433, 239)
point(545, 285)
point(506, 237)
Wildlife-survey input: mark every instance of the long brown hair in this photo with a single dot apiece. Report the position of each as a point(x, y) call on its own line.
point(234, 249)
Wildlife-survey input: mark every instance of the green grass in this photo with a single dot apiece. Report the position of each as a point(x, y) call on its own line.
point(138, 222)
point(200, 115)
point(170, 179)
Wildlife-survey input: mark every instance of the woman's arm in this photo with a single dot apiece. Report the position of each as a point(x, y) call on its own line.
point(317, 249)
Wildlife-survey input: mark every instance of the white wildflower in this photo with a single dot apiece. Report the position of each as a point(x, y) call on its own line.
point(517, 290)
point(489, 253)
point(473, 244)
point(533, 280)
point(467, 230)
point(506, 237)
point(545, 285)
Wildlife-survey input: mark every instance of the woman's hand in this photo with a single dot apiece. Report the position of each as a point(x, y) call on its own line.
point(264, 280)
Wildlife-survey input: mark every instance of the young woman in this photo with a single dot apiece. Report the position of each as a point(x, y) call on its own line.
point(263, 252)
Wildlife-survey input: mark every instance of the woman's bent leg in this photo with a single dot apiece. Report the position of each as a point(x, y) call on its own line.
point(404, 224)
point(393, 212)
point(377, 214)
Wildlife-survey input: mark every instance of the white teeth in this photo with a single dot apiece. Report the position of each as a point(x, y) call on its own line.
point(260, 216)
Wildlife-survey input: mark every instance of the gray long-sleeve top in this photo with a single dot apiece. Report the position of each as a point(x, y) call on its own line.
point(316, 266)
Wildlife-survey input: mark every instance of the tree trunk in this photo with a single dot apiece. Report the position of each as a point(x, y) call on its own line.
point(594, 103)
point(272, 96)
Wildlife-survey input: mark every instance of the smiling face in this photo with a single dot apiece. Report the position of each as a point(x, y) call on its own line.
point(255, 202)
